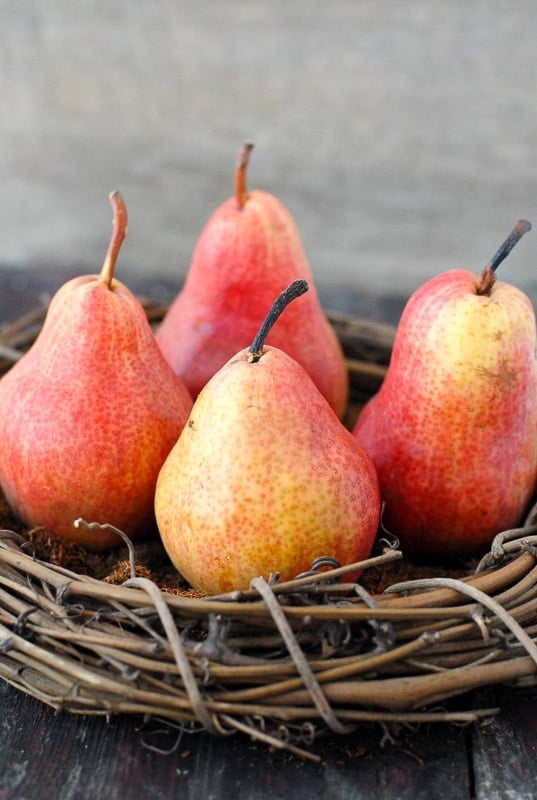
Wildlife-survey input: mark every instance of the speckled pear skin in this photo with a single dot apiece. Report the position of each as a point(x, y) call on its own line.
point(88, 416)
point(453, 429)
point(243, 258)
point(264, 478)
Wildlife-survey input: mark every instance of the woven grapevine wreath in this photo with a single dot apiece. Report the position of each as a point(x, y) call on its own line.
point(283, 662)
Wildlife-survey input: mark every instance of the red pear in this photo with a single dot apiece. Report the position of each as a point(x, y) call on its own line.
point(264, 477)
point(248, 252)
point(453, 428)
point(90, 412)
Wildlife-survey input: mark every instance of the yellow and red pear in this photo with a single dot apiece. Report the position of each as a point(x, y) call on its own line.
point(264, 477)
point(90, 412)
point(248, 252)
point(453, 429)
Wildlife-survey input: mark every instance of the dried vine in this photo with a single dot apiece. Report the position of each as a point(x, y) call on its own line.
point(283, 662)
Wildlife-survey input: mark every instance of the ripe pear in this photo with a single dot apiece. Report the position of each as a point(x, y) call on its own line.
point(90, 412)
point(248, 252)
point(453, 429)
point(264, 477)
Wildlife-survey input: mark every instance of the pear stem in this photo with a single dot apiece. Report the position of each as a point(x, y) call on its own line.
point(294, 290)
point(241, 193)
point(119, 231)
point(487, 277)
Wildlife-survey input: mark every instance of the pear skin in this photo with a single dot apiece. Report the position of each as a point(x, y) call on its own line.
point(88, 415)
point(453, 429)
point(249, 251)
point(263, 479)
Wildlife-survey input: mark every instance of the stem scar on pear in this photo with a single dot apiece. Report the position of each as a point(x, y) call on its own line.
point(294, 290)
point(488, 276)
point(119, 232)
point(241, 193)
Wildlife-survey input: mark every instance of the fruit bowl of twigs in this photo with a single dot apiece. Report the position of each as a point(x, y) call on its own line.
point(284, 661)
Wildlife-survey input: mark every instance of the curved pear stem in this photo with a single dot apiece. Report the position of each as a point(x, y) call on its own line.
point(487, 277)
point(119, 231)
point(294, 290)
point(241, 193)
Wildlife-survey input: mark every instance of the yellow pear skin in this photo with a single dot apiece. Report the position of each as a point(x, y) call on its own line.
point(263, 479)
point(453, 428)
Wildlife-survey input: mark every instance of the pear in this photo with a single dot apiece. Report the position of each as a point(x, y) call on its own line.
point(248, 252)
point(453, 429)
point(90, 412)
point(264, 477)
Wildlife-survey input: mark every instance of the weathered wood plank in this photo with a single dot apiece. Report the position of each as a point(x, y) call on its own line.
point(505, 752)
point(77, 757)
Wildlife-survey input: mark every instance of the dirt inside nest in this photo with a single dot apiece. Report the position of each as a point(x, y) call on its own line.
point(376, 581)
point(151, 561)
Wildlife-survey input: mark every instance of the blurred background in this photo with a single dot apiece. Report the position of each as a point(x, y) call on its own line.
point(402, 136)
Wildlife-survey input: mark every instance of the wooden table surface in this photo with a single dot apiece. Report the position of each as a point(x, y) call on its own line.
point(65, 757)
point(45, 756)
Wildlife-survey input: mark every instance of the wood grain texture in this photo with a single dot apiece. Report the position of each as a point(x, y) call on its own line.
point(504, 754)
point(74, 758)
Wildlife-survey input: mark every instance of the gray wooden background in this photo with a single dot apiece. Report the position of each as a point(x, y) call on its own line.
point(401, 135)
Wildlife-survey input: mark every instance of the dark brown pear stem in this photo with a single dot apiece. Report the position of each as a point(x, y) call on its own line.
point(241, 193)
point(487, 277)
point(119, 231)
point(294, 290)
